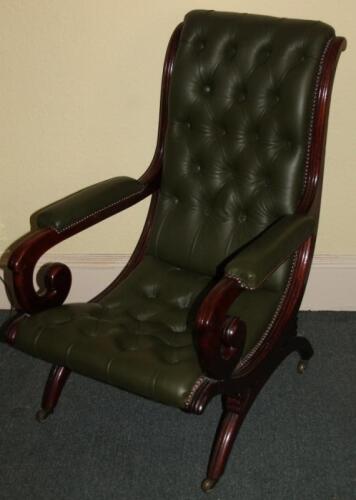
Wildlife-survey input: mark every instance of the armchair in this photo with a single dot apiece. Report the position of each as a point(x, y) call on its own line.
point(207, 304)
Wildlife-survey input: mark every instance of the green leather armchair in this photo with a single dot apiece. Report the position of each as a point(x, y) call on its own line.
point(207, 305)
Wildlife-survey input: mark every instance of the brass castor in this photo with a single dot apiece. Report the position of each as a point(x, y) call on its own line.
point(42, 414)
point(302, 366)
point(208, 484)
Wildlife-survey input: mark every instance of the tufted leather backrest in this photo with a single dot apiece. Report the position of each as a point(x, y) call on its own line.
point(237, 142)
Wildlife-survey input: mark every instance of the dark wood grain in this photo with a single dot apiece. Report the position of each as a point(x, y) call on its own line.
point(238, 398)
point(218, 350)
point(57, 378)
point(55, 278)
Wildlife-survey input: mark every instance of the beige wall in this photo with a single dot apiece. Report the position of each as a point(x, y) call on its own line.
point(79, 92)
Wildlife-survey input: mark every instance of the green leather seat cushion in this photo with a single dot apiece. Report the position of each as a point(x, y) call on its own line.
point(139, 337)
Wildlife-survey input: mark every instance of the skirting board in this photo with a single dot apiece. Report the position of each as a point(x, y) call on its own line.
point(331, 286)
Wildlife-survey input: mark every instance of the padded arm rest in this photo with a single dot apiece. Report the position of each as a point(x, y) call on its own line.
point(56, 223)
point(267, 252)
point(88, 202)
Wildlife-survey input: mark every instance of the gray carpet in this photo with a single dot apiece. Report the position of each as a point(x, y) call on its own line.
point(298, 441)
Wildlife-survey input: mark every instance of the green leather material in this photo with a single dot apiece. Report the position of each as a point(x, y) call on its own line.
point(236, 149)
point(235, 162)
point(80, 205)
point(257, 260)
point(139, 337)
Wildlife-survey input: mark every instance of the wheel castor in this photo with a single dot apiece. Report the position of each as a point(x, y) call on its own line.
point(42, 414)
point(208, 484)
point(302, 366)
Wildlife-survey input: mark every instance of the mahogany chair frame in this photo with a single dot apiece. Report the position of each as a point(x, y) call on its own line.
point(220, 338)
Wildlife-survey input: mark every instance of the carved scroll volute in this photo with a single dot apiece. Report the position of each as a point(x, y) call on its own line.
point(220, 338)
point(54, 279)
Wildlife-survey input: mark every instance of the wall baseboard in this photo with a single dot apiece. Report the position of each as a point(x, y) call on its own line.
point(331, 286)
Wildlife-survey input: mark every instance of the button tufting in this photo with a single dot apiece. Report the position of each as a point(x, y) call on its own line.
point(207, 89)
point(242, 97)
point(242, 218)
point(90, 333)
point(265, 54)
point(223, 131)
point(201, 45)
point(197, 167)
point(188, 125)
point(231, 52)
point(151, 293)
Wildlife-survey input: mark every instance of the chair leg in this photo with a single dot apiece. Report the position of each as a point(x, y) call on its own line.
point(305, 350)
point(235, 408)
point(55, 383)
point(234, 412)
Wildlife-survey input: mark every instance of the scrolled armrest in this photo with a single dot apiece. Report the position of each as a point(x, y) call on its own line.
point(56, 223)
point(221, 338)
point(87, 204)
point(260, 258)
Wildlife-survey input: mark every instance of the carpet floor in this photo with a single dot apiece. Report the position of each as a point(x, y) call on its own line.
point(298, 441)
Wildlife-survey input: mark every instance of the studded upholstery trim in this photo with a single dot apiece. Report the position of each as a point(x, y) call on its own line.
point(241, 283)
point(265, 334)
point(96, 212)
point(312, 118)
point(198, 383)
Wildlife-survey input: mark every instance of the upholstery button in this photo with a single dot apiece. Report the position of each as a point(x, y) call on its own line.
point(223, 131)
point(231, 52)
point(175, 200)
point(151, 293)
point(207, 89)
point(242, 97)
point(242, 218)
point(188, 125)
point(201, 45)
point(264, 55)
point(276, 98)
point(288, 144)
point(90, 334)
point(197, 167)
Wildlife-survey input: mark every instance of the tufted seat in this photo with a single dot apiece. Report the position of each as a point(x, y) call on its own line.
point(139, 337)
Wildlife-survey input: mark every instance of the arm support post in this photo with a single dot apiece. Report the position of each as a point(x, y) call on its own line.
point(221, 338)
point(56, 223)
